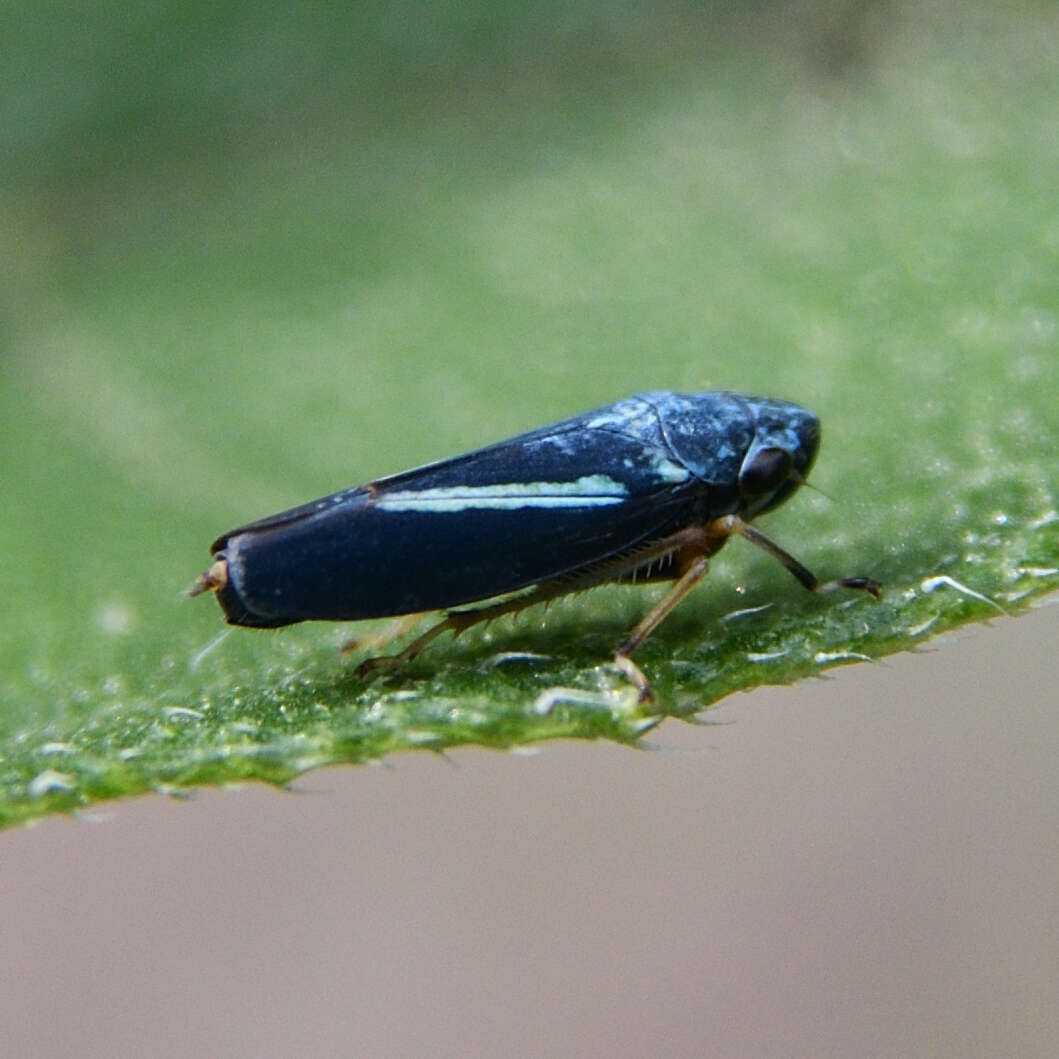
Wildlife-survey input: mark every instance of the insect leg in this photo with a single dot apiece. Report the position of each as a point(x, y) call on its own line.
point(369, 665)
point(693, 538)
point(804, 576)
point(394, 630)
point(458, 620)
point(695, 572)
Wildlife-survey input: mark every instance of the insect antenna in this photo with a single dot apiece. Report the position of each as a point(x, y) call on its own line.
point(803, 481)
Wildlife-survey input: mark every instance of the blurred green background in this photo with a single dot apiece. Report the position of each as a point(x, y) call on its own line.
point(252, 254)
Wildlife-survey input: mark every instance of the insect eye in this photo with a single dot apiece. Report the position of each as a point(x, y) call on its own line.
point(765, 472)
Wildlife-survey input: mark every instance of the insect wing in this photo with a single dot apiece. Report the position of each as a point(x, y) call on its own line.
point(539, 506)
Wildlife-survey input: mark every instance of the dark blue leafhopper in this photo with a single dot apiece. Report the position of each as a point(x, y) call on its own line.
point(646, 489)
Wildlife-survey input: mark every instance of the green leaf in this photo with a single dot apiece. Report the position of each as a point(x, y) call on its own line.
point(244, 273)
